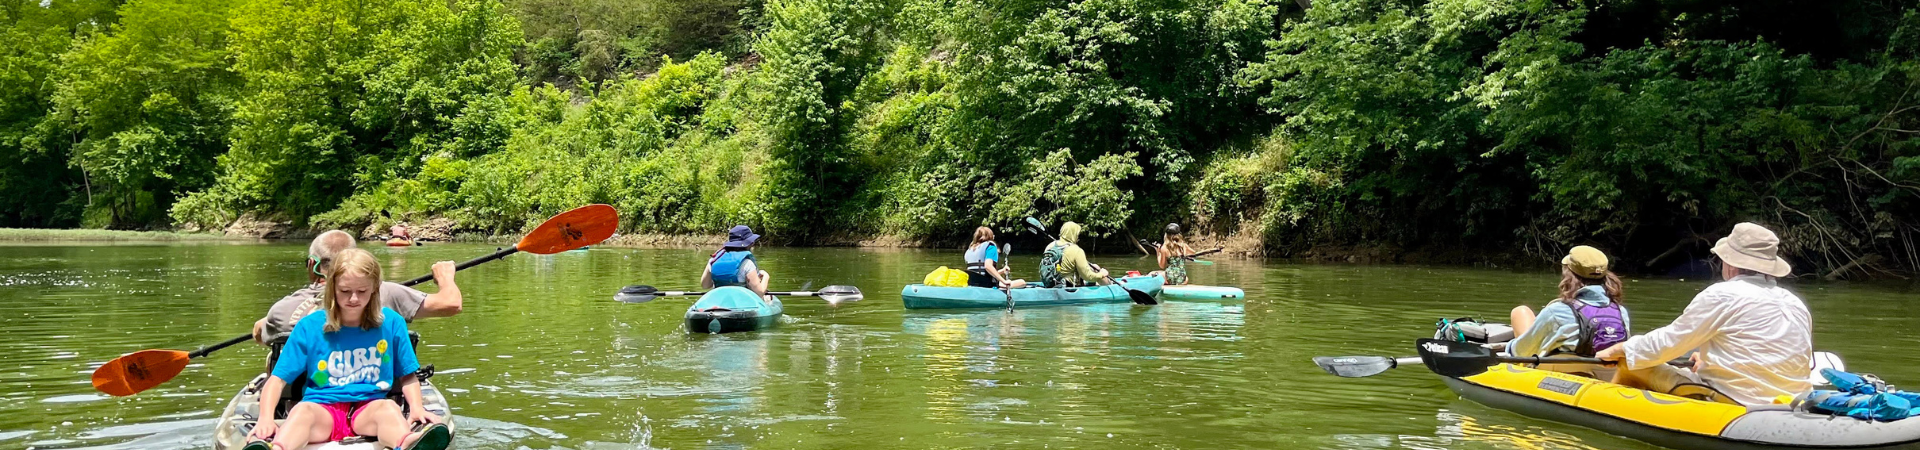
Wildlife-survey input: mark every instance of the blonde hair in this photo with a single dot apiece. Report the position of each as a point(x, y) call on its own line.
point(352, 261)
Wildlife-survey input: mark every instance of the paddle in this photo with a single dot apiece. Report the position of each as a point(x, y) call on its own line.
point(1195, 258)
point(1450, 358)
point(834, 295)
point(142, 370)
point(1137, 296)
point(1004, 252)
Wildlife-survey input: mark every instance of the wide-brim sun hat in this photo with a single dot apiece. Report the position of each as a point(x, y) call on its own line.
point(1754, 248)
point(741, 236)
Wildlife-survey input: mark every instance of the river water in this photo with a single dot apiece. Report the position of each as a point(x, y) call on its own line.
point(542, 358)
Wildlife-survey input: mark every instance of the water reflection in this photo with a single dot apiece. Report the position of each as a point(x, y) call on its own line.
point(542, 359)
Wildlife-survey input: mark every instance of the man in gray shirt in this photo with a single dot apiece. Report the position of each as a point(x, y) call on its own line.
point(409, 302)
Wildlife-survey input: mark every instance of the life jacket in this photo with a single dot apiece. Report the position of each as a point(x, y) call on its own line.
point(976, 258)
point(1601, 327)
point(725, 267)
point(1051, 274)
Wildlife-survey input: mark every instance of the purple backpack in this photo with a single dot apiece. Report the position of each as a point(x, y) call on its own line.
point(1600, 327)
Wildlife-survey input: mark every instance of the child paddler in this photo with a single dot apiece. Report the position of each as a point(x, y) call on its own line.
point(409, 302)
point(350, 355)
point(1173, 253)
point(733, 265)
point(1586, 318)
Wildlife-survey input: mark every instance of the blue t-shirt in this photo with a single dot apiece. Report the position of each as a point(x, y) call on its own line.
point(350, 365)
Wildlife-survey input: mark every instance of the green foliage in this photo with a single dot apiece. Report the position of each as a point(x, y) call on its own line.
point(148, 103)
point(1057, 190)
point(37, 188)
point(341, 95)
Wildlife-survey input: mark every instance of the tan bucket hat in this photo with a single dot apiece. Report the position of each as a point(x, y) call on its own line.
point(1586, 262)
point(1754, 248)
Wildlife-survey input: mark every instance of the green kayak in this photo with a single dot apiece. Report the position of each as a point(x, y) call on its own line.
point(1198, 292)
point(919, 296)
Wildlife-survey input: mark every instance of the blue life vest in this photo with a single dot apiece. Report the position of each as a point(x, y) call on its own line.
point(726, 267)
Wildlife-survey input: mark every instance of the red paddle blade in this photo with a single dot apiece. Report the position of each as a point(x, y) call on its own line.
point(128, 375)
point(583, 226)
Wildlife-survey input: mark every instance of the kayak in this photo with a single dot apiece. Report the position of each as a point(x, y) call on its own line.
point(920, 296)
point(1198, 292)
point(732, 308)
point(399, 242)
point(241, 413)
point(1674, 421)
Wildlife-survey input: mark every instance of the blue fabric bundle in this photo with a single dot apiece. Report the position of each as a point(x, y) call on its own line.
point(1860, 398)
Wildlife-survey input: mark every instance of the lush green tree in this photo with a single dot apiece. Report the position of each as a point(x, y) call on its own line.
point(37, 187)
point(149, 102)
point(342, 95)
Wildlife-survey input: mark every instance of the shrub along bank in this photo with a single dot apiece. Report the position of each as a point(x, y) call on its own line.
point(1646, 128)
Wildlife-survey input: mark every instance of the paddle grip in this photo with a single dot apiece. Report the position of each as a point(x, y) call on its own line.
point(463, 266)
point(211, 349)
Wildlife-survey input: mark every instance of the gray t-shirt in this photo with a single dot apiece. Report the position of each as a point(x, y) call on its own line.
point(290, 309)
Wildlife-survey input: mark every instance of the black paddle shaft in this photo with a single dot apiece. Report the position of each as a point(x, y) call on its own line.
point(422, 279)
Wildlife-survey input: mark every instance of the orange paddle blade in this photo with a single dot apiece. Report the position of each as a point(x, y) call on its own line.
point(583, 226)
point(128, 375)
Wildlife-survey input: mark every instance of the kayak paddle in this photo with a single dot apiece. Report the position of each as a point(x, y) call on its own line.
point(1194, 258)
point(834, 295)
point(1450, 358)
point(142, 370)
point(1137, 296)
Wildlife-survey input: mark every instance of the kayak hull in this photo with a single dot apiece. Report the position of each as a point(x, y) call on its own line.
point(1198, 292)
point(732, 309)
point(919, 296)
point(398, 242)
point(242, 412)
point(1672, 421)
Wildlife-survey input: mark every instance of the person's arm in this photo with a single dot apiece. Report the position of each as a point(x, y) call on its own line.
point(446, 302)
point(1084, 268)
point(1161, 250)
point(1533, 341)
point(1699, 323)
point(410, 388)
point(754, 281)
point(265, 427)
point(994, 271)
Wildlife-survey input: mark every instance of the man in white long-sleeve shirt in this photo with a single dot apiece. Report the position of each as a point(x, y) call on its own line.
point(1755, 338)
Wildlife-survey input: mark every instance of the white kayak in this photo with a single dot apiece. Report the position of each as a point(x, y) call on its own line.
point(241, 413)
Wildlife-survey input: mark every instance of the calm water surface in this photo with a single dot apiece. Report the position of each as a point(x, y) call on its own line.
point(542, 358)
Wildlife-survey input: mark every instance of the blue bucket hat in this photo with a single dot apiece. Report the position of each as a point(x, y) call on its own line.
point(741, 236)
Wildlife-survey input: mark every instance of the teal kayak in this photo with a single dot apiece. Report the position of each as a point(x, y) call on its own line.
point(920, 296)
point(1198, 292)
point(732, 308)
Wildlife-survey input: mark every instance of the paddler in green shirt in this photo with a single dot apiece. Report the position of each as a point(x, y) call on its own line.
point(1064, 264)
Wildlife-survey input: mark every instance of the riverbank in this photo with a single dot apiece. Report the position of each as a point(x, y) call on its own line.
point(86, 235)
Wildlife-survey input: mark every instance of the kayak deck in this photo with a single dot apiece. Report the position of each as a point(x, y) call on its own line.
point(1198, 292)
point(730, 309)
point(244, 410)
point(1673, 421)
point(919, 296)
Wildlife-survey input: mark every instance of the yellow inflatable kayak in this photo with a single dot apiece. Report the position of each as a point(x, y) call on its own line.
point(1673, 421)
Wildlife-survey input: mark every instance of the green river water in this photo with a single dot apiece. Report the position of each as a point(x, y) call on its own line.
point(542, 357)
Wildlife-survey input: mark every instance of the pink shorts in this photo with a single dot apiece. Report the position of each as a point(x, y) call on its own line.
point(343, 414)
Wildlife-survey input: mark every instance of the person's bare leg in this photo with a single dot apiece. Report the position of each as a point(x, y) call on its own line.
point(382, 420)
point(307, 423)
point(1016, 284)
point(1636, 379)
point(1521, 318)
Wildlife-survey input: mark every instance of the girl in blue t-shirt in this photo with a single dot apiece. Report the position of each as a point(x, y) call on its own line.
point(349, 355)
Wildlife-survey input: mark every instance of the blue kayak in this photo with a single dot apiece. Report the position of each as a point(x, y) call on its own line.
point(1198, 292)
point(920, 296)
point(732, 308)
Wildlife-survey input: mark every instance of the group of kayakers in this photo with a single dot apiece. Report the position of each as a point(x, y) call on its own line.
point(1750, 340)
point(344, 336)
point(1064, 264)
